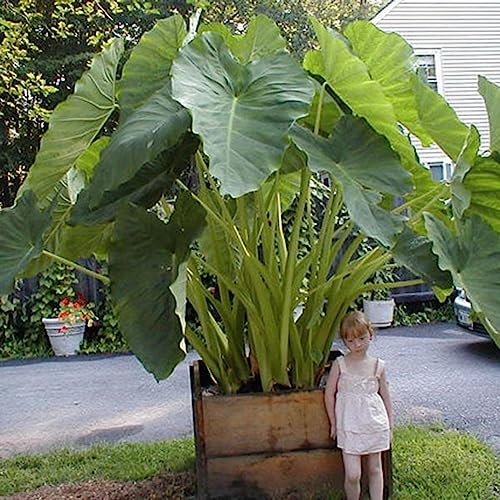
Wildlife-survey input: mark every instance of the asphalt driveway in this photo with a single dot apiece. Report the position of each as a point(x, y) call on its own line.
point(438, 373)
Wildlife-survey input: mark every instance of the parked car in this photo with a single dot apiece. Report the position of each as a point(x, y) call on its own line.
point(464, 314)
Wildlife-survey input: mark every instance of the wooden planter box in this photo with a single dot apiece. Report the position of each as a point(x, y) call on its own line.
point(258, 445)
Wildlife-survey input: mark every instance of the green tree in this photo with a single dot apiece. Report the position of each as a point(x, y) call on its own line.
point(45, 45)
point(291, 16)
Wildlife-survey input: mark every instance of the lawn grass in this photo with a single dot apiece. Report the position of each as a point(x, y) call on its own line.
point(435, 462)
point(132, 461)
point(430, 462)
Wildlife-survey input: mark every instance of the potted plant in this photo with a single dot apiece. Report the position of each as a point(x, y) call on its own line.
point(379, 306)
point(66, 330)
point(212, 169)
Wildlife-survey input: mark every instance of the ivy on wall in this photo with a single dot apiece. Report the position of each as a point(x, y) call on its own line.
point(22, 333)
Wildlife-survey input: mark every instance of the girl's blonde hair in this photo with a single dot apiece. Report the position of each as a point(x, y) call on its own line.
point(355, 324)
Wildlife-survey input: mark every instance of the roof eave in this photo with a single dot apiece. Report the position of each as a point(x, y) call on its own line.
point(381, 14)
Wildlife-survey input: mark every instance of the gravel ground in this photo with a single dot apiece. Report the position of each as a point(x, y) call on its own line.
point(438, 373)
point(444, 373)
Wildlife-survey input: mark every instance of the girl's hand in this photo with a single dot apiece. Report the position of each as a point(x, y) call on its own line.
point(333, 430)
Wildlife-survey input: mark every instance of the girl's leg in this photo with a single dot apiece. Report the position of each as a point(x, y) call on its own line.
point(375, 475)
point(352, 475)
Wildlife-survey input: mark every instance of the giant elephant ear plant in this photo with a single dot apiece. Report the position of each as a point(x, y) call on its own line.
point(255, 127)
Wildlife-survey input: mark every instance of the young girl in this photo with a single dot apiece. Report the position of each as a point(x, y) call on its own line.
point(359, 407)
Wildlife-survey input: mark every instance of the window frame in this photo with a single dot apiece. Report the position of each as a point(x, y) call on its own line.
point(436, 53)
point(446, 168)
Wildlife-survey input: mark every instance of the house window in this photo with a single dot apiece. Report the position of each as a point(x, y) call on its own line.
point(440, 170)
point(324, 178)
point(427, 70)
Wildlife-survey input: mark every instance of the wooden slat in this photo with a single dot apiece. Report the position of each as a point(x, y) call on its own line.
point(260, 423)
point(260, 476)
point(230, 425)
point(199, 428)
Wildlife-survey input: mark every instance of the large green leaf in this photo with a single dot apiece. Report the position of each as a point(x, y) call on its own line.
point(145, 188)
point(461, 196)
point(483, 183)
point(439, 119)
point(145, 260)
point(21, 232)
point(415, 253)
point(213, 239)
point(84, 241)
point(350, 79)
point(155, 127)
point(60, 238)
point(262, 38)
point(75, 242)
point(75, 123)
point(61, 208)
point(491, 96)
point(365, 165)
point(241, 112)
point(148, 68)
point(61, 204)
point(390, 61)
point(330, 111)
point(473, 258)
point(288, 187)
point(87, 162)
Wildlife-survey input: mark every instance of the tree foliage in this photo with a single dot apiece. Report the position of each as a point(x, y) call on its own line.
point(45, 45)
point(291, 16)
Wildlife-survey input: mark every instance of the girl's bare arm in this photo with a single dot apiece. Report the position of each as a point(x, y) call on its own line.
point(330, 393)
point(386, 397)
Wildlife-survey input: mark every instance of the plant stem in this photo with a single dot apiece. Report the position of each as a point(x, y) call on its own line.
point(397, 284)
point(289, 275)
point(228, 225)
point(441, 190)
point(76, 266)
point(440, 193)
point(317, 123)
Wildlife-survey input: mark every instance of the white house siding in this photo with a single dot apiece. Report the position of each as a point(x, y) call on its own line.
point(467, 35)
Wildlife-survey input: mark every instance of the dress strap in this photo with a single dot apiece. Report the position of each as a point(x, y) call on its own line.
point(379, 367)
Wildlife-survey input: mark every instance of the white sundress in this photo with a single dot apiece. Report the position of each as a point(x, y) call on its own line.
point(361, 417)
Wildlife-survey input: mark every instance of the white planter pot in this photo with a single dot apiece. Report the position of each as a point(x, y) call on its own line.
point(64, 342)
point(380, 313)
